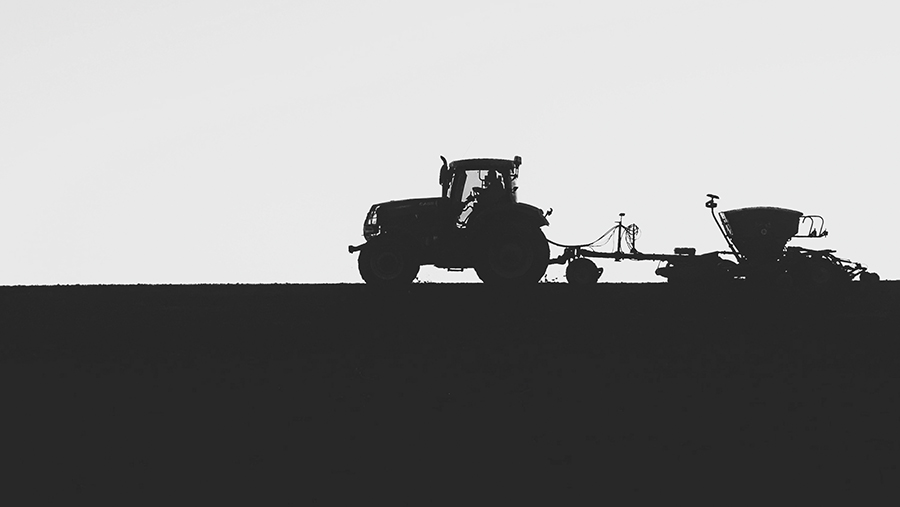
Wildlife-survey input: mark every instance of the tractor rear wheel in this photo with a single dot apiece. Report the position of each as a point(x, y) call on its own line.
point(518, 255)
point(386, 262)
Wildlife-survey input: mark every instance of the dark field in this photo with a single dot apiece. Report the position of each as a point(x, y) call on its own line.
point(447, 393)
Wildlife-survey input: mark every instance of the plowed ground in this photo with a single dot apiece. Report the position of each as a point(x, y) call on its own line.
point(450, 393)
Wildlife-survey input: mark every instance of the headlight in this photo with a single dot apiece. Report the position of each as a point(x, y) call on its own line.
point(370, 226)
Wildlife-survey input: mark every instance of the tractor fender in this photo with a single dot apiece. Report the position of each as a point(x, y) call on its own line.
point(519, 213)
point(532, 213)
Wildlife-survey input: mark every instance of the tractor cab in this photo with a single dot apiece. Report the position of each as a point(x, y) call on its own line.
point(474, 185)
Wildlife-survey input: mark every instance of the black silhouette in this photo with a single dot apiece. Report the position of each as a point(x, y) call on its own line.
point(493, 190)
point(469, 226)
point(757, 239)
point(484, 227)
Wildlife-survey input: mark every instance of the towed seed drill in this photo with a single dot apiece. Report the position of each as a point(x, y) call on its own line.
point(477, 222)
point(757, 239)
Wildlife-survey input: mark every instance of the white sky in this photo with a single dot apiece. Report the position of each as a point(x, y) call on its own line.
point(243, 142)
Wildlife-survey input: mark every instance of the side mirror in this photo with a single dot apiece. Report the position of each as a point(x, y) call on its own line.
point(445, 172)
point(517, 161)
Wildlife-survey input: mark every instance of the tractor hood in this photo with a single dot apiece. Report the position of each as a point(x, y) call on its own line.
point(408, 215)
point(389, 209)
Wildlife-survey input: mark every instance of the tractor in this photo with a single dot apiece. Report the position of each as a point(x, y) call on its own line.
point(477, 222)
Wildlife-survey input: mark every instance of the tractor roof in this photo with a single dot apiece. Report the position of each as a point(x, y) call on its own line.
point(473, 164)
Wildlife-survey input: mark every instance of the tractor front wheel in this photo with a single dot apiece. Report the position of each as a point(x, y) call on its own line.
point(387, 263)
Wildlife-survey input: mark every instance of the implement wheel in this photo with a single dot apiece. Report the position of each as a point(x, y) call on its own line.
point(821, 273)
point(582, 271)
point(869, 277)
point(386, 262)
point(816, 273)
point(515, 256)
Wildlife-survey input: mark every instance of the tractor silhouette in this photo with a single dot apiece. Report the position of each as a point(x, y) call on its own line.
point(477, 222)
